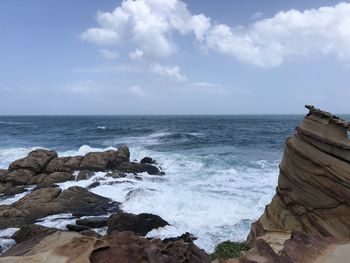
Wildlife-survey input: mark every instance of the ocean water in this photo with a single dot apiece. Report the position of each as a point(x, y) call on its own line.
point(221, 171)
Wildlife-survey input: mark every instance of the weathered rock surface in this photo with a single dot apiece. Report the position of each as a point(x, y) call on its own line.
point(19, 177)
point(84, 175)
point(99, 161)
point(49, 201)
point(133, 167)
point(36, 161)
point(29, 232)
point(140, 224)
point(53, 178)
point(120, 247)
point(148, 160)
point(64, 164)
point(93, 222)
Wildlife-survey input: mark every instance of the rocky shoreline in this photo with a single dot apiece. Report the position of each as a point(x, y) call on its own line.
point(308, 219)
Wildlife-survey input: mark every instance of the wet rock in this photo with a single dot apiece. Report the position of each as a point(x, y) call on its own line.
point(147, 160)
point(36, 161)
point(119, 247)
point(133, 167)
point(187, 237)
point(92, 222)
point(28, 232)
point(19, 177)
point(64, 164)
point(99, 161)
point(45, 185)
point(93, 185)
point(116, 174)
point(123, 154)
point(57, 177)
point(84, 175)
point(49, 201)
point(140, 224)
point(15, 190)
point(76, 228)
point(3, 172)
point(5, 186)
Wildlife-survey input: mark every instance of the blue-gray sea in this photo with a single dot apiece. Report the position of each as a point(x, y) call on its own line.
point(221, 171)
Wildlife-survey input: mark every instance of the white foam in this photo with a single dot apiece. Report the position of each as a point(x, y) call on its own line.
point(8, 155)
point(101, 127)
point(58, 221)
point(15, 198)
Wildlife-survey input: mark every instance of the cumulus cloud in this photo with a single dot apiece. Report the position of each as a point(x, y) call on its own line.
point(172, 72)
point(149, 25)
point(137, 54)
point(108, 54)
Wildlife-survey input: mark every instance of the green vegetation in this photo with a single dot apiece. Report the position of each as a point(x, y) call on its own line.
point(229, 249)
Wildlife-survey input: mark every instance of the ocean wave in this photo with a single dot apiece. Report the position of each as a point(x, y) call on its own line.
point(101, 127)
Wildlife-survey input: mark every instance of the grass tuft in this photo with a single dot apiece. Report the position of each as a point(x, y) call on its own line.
point(229, 249)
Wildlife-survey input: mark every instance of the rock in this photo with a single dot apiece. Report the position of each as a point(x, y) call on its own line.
point(313, 190)
point(76, 228)
point(93, 185)
point(92, 222)
point(123, 154)
point(50, 201)
point(147, 160)
point(28, 232)
point(15, 190)
point(5, 186)
point(56, 177)
point(99, 161)
point(133, 167)
point(19, 177)
point(84, 175)
point(119, 247)
point(140, 224)
point(116, 174)
point(187, 237)
point(36, 161)
point(3, 172)
point(45, 185)
point(64, 164)
point(89, 233)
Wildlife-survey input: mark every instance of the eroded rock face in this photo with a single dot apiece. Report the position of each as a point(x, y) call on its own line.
point(99, 161)
point(120, 247)
point(64, 164)
point(36, 161)
point(29, 232)
point(313, 193)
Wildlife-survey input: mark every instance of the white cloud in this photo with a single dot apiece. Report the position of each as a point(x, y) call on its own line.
point(256, 16)
point(137, 54)
point(172, 72)
point(137, 91)
point(108, 54)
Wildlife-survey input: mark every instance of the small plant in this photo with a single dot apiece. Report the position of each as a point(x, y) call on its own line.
point(229, 249)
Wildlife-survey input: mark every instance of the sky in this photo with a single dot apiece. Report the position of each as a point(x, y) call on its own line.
point(173, 57)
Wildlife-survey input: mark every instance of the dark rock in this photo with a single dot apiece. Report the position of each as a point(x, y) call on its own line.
point(76, 228)
point(56, 177)
point(5, 186)
point(3, 172)
point(139, 168)
point(19, 177)
point(36, 161)
point(187, 237)
point(123, 154)
point(45, 185)
point(92, 222)
point(151, 169)
point(116, 174)
point(84, 175)
point(147, 160)
point(64, 164)
point(99, 161)
point(28, 232)
point(140, 224)
point(15, 190)
point(93, 185)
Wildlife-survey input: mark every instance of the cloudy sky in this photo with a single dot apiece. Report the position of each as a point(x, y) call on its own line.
point(173, 57)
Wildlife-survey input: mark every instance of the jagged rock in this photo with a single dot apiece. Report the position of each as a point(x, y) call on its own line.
point(313, 193)
point(15, 190)
point(133, 167)
point(64, 164)
point(84, 175)
point(92, 222)
point(49, 201)
point(123, 154)
point(56, 177)
point(119, 248)
point(76, 228)
point(140, 224)
point(28, 232)
point(19, 177)
point(99, 161)
point(36, 161)
point(147, 160)
point(187, 237)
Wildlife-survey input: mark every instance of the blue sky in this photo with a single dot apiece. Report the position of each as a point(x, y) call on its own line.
point(173, 57)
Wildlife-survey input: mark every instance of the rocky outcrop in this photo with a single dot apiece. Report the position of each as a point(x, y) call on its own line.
point(29, 232)
point(64, 164)
point(49, 201)
point(140, 224)
point(133, 167)
point(120, 247)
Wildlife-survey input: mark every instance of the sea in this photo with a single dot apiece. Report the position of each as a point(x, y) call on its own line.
point(221, 171)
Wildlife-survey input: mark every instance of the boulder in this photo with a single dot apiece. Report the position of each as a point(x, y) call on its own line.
point(92, 222)
point(50, 201)
point(93, 185)
point(121, 247)
point(133, 167)
point(64, 164)
point(99, 161)
point(123, 154)
point(45, 185)
point(3, 172)
point(29, 232)
point(147, 160)
point(187, 237)
point(19, 177)
point(84, 175)
point(140, 224)
point(56, 177)
point(76, 228)
point(36, 161)
point(15, 190)
point(5, 186)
